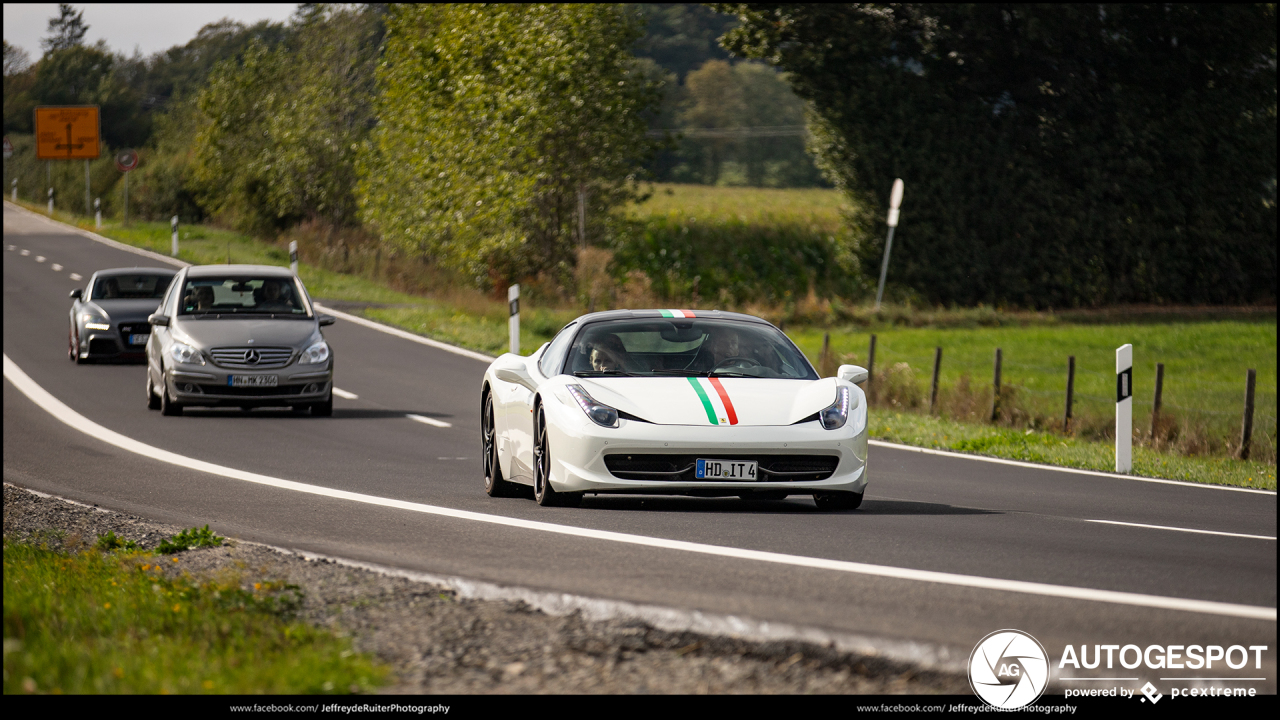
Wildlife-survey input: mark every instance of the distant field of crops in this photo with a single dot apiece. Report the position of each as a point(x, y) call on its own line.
point(818, 207)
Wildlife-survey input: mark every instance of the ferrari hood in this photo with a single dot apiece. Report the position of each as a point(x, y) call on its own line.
point(713, 401)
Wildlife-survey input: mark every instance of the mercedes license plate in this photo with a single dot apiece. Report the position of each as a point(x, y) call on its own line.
point(138, 339)
point(709, 469)
point(253, 380)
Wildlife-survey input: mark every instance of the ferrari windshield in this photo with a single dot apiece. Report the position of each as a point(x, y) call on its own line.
point(142, 286)
point(240, 295)
point(685, 347)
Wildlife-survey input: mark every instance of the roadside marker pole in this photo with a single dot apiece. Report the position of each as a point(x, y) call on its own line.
point(1124, 408)
point(1246, 431)
point(933, 388)
point(97, 213)
point(50, 202)
point(995, 387)
point(1071, 387)
point(174, 224)
point(895, 200)
point(15, 190)
point(513, 324)
point(293, 256)
point(1155, 407)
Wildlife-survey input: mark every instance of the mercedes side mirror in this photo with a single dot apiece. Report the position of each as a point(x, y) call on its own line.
point(326, 320)
point(158, 319)
point(76, 294)
point(853, 374)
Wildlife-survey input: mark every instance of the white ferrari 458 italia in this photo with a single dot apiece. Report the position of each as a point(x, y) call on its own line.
point(672, 402)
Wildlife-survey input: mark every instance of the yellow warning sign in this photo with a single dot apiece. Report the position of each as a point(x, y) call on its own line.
point(67, 133)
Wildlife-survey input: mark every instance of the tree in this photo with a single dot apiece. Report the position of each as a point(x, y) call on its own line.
point(1054, 155)
point(66, 30)
point(492, 120)
point(284, 124)
point(19, 77)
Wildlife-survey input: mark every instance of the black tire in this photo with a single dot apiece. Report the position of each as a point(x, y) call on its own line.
point(323, 409)
point(837, 500)
point(167, 406)
point(494, 485)
point(74, 349)
point(153, 402)
point(71, 344)
point(543, 493)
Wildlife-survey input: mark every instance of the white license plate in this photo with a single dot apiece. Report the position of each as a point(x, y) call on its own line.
point(253, 380)
point(709, 469)
point(139, 339)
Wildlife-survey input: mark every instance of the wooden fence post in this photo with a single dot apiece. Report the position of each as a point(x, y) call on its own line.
point(995, 397)
point(871, 369)
point(1246, 432)
point(1071, 388)
point(1155, 407)
point(824, 360)
point(933, 390)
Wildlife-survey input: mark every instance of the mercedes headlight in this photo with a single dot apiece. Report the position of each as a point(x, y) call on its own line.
point(184, 353)
point(836, 415)
point(315, 354)
point(94, 322)
point(600, 414)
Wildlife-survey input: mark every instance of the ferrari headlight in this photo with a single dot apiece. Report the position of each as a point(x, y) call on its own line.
point(834, 416)
point(315, 354)
point(600, 414)
point(94, 322)
point(183, 353)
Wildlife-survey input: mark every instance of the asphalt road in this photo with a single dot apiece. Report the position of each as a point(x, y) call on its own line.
point(922, 512)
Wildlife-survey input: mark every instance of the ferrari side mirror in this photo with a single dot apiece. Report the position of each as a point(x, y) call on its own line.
point(853, 374)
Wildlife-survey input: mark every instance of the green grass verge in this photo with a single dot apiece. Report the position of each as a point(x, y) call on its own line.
point(1053, 449)
point(99, 622)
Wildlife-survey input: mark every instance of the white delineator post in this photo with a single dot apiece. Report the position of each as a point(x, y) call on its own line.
point(50, 202)
point(513, 325)
point(895, 201)
point(97, 213)
point(174, 224)
point(293, 256)
point(1124, 408)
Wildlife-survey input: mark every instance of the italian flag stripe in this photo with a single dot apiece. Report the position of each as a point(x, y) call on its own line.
point(677, 313)
point(706, 401)
point(716, 403)
point(724, 397)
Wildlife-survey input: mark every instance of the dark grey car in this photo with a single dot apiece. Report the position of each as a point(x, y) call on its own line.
point(239, 335)
point(108, 319)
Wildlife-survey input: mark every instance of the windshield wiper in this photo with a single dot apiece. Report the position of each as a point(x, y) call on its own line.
point(680, 373)
point(605, 373)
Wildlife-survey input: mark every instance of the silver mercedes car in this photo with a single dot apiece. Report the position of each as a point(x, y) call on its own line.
point(238, 335)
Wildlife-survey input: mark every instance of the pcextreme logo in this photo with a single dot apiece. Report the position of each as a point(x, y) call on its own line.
point(1008, 669)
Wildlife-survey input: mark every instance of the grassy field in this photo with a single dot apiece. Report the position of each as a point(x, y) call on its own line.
point(114, 623)
point(819, 206)
point(1205, 362)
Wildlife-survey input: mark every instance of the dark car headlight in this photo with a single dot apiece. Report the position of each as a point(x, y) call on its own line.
point(600, 414)
point(836, 415)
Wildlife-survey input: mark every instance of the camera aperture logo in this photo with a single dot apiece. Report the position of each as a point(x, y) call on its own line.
point(1008, 669)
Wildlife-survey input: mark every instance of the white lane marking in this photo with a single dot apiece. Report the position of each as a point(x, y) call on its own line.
point(344, 394)
point(1186, 530)
point(429, 421)
point(12, 248)
point(65, 414)
point(24, 252)
point(95, 237)
point(1056, 468)
point(76, 276)
point(406, 335)
point(39, 258)
point(56, 267)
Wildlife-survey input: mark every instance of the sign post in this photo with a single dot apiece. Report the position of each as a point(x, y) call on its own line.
point(126, 160)
point(513, 325)
point(895, 201)
point(174, 224)
point(1124, 408)
point(293, 256)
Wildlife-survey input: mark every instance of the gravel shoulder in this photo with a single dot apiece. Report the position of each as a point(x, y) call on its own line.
point(437, 642)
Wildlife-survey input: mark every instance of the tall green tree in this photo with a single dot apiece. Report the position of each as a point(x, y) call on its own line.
point(492, 120)
point(66, 30)
point(284, 125)
point(1054, 155)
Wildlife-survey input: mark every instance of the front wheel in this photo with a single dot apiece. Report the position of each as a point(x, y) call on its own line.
point(153, 402)
point(494, 485)
point(543, 493)
point(837, 500)
point(168, 406)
